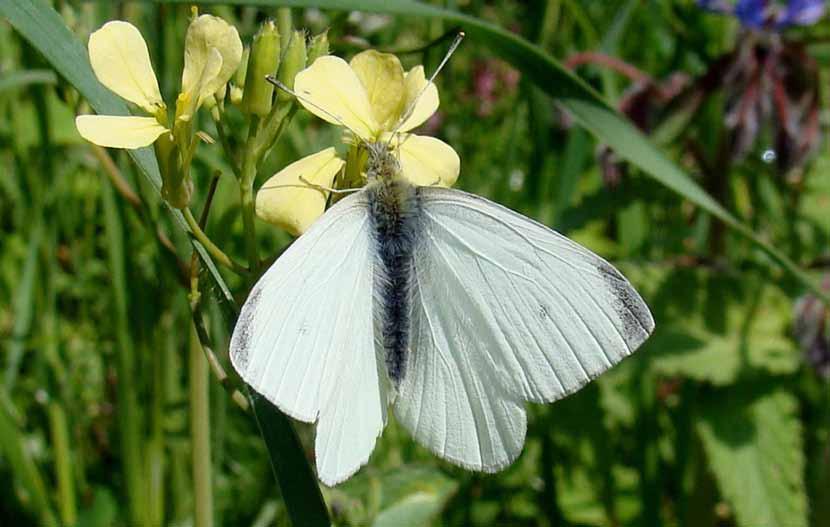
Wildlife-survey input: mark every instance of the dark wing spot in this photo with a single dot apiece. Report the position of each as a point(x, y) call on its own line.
point(240, 344)
point(633, 312)
point(544, 312)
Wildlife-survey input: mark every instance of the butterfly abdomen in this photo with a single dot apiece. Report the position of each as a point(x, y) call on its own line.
point(393, 209)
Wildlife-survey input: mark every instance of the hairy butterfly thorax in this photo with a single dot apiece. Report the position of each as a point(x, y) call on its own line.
point(394, 211)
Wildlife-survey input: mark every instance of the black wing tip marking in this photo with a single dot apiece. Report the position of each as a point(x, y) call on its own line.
point(629, 306)
point(241, 341)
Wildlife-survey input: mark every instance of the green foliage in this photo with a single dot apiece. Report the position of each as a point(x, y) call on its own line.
point(716, 421)
point(731, 329)
point(407, 496)
point(753, 439)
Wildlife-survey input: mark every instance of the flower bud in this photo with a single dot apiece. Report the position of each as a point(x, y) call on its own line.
point(212, 54)
point(292, 63)
point(263, 60)
point(318, 47)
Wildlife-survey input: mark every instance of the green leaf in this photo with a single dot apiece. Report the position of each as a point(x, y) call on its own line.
point(409, 495)
point(753, 439)
point(748, 335)
point(413, 496)
point(713, 326)
point(414, 510)
point(586, 106)
point(297, 481)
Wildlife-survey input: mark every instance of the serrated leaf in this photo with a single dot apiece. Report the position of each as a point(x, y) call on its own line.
point(751, 338)
point(752, 437)
point(713, 327)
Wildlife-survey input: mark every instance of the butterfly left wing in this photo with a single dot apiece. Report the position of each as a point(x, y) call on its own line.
point(305, 338)
point(505, 310)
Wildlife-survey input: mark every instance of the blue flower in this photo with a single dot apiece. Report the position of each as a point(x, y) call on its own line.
point(768, 14)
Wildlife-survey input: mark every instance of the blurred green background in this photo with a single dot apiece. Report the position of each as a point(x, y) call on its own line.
point(722, 418)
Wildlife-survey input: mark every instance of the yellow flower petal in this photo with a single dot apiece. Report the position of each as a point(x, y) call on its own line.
point(117, 131)
point(207, 33)
point(286, 201)
point(121, 62)
point(331, 90)
point(382, 76)
point(428, 161)
point(427, 103)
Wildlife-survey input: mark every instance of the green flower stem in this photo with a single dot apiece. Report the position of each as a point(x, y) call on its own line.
point(200, 435)
point(211, 247)
point(246, 191)
point(63, 464)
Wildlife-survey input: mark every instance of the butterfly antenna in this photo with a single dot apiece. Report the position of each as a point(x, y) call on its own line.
point(276, 82)
point(408, 113)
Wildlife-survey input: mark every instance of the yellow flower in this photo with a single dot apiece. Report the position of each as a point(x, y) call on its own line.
point(121, 61)
point(373, 97)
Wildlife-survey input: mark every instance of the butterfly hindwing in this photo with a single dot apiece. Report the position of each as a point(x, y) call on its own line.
point(305, 338)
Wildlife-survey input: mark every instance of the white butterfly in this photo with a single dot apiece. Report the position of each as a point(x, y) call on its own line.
point(450, 308)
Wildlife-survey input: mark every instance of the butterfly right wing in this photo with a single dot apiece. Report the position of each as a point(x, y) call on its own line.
point(305, 338)
point(504, 310)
